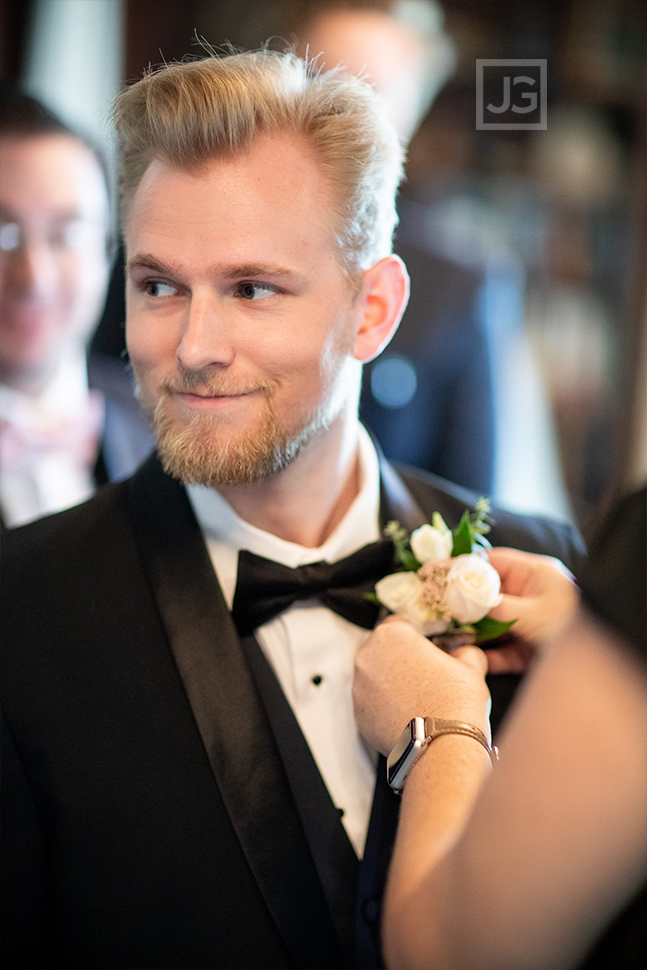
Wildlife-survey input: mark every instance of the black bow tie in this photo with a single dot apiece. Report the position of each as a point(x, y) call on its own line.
point(265, 588)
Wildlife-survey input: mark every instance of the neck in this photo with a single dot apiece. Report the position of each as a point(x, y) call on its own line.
point(306, 501)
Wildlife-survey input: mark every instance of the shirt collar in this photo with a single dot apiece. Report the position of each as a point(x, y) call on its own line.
point(227, 533)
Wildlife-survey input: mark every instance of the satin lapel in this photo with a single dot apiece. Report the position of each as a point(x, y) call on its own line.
point(396, 503)
point(230, 715)
point(332, 851)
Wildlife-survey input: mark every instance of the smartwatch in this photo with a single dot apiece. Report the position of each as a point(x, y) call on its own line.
point(416, 738)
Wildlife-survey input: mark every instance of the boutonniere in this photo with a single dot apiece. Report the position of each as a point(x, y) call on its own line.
point(447, 585)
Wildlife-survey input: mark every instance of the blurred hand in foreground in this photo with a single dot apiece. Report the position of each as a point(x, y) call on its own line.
point(540, 594)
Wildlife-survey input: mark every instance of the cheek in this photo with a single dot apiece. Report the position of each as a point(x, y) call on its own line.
point(339, 344)
point(143, 339)
point(142, 343)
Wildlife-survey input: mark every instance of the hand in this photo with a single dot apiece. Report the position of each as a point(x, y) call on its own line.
point(538, 591)
point(399, 674)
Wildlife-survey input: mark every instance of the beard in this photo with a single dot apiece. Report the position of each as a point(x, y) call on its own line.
point(200, 453)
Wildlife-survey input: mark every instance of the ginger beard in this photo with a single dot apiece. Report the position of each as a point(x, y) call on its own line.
point(198, 452)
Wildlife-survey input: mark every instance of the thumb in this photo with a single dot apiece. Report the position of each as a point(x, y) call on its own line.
point(510, 608)
point(472, 656)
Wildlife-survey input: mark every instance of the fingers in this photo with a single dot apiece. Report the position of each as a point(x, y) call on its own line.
point(526, 572)
point(507, 610)
point(473, 657)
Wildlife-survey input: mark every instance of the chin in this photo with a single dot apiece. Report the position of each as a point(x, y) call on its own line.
point(201, 453)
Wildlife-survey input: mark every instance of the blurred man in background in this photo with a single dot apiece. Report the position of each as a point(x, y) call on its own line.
point(67, 422)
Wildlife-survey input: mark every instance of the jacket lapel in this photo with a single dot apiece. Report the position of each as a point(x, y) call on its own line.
point(333, 854)
point(396, 503)
point(230, 716)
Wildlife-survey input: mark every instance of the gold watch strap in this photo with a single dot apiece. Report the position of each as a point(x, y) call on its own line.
point(435, 727)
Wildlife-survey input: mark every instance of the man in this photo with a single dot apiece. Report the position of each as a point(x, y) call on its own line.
point(66, 424)
point(185, 785)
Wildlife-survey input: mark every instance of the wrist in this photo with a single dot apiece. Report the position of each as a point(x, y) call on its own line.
point(419, 735)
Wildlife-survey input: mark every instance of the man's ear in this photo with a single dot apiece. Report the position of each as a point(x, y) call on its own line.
point(381, 302)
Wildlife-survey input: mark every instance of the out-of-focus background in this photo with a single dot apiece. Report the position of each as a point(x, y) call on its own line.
point(557, 216)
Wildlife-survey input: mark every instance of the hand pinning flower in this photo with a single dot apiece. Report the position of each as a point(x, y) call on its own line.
point(448, 585)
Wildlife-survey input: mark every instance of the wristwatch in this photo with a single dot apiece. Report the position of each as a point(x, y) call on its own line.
point(416, 738)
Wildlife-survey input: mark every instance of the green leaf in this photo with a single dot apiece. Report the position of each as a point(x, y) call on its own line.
point(462, 536)
point(408, 560)
point(488, 628)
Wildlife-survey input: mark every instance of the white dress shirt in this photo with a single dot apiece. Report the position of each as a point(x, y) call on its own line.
point(47, 478)
point(311, 648)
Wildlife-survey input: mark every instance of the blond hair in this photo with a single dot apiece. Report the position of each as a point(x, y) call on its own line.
point(187, 113)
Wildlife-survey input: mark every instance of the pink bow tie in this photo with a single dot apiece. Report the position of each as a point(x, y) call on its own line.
point(30, 436)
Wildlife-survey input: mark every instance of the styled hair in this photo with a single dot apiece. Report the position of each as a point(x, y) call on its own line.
point(187, 113)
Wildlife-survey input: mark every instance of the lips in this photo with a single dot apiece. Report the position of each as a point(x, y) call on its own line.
point(208, 400)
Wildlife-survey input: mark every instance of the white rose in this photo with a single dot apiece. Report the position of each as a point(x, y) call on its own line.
point(473, 588)
point(430, 543)
point(400, 593)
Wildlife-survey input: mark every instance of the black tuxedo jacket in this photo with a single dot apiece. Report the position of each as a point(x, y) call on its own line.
point(161, 807)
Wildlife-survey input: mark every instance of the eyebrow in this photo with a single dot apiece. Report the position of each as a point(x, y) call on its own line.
point(235, 271)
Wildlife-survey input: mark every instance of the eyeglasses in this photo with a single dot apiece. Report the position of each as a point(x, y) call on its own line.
point(61, 237)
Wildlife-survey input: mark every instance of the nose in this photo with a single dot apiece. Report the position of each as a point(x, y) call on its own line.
point(206, 336)
point(30, 271)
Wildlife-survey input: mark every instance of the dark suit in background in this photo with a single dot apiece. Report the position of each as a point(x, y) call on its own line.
point(429, 397)
point(161, 807)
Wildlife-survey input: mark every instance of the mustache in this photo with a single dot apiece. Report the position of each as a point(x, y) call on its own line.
point(208, 383)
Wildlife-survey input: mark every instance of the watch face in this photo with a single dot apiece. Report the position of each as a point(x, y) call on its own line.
point(408, 748)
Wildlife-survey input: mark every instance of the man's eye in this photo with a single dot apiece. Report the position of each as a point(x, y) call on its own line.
point(255, 291)
point(155, 288)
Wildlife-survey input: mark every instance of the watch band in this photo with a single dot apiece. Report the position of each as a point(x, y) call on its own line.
point(435, 727)
point(419, 733)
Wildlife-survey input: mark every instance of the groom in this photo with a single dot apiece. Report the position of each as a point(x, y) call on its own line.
point(184, 782)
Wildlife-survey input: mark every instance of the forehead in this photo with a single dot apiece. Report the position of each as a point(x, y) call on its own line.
point(273, 195)
point(50, 174)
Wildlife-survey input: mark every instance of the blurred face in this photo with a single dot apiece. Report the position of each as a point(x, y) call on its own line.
point(376, 46)
point(241, 323)
point(53, 265)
